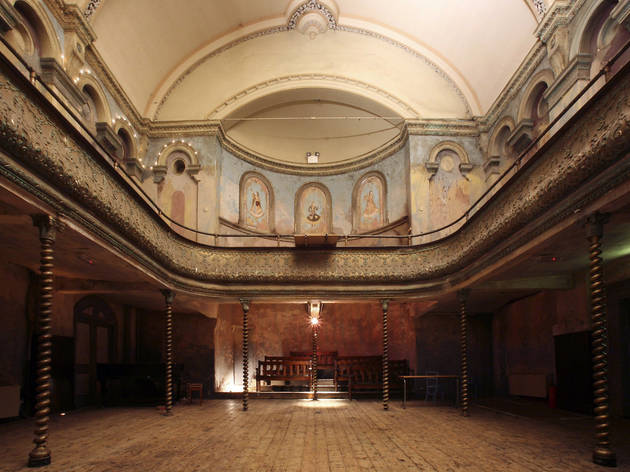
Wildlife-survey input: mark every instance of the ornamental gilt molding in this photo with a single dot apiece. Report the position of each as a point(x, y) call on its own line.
point(44, 159)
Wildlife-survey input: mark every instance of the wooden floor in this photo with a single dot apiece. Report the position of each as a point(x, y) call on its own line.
point(302, 435)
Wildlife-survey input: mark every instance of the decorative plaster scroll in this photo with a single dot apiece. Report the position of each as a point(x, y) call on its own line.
point(369, 203)
point(243, 95)
point(256, 203)
point(313, 209)
point(433, 164)
point(91, 195)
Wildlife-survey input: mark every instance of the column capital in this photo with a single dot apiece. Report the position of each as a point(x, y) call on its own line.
point(168, 295)
point(385, 304)
point(245, 304)
point(48, 226)
point(462, 294)
point(594, 224)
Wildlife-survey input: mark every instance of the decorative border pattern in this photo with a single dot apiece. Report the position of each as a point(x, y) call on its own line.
point(90, 192)
point(312, 5)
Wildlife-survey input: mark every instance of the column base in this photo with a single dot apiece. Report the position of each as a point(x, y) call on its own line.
point(167, 413)
point(39, 458)
point(605, 457)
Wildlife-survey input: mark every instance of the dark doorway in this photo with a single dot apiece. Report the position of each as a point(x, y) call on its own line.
point(624, 322)
point(95, 335)
point(574, 372)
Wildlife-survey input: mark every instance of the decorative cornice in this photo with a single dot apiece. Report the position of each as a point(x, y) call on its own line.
point(77, 184)
point(443, 127)
point(349, 165)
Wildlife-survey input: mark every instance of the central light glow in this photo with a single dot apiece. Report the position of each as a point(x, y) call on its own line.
point(314, 321)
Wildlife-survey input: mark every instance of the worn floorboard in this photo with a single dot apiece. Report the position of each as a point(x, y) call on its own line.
point(304, 436)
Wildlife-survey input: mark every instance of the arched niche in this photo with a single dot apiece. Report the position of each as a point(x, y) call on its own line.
point(127, 136)
point(369, 202)
point(184, 159)
point(442, 150)
point(313, 209)
point(533, 112)
point(256, 203)
point(533, 104)
point(498, 140)
point(40, 27)
point(98, 109)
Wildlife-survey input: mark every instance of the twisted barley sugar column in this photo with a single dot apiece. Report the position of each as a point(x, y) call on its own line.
point(463, 339)
point(385, 304)
point(40, 455)
point(602, 454)
point(245, 305)
point(314, 363)
point(168, 297)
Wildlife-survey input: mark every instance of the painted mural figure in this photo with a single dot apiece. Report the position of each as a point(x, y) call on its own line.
point(313, 216)
point(370, 206)
point(256, 209)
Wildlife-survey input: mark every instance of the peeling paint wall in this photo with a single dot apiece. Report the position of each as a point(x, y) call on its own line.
point(276, 330)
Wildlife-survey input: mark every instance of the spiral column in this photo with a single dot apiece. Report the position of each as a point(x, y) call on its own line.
point(40, 455)
point(602, 454)
point(462, 296)
point(314, 362)
point(385, 305)
point(245, 305)
point(168, 315)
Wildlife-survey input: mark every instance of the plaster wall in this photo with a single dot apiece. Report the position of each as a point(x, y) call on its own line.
point(438, 349)
point(523, 332)
point(437, 200)
point(340, 186)
point(276, 330)
point(193, 344)
point(14, 321)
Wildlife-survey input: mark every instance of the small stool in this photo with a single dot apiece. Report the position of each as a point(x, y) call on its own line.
point(194, 387)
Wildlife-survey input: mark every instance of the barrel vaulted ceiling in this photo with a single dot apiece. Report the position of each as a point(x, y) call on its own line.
point(212, 59)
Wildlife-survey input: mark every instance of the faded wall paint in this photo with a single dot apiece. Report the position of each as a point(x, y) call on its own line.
point(437, 200)
point(286, 186)
point(276, 330)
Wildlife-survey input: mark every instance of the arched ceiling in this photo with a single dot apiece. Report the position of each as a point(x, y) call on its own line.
point(203, 59)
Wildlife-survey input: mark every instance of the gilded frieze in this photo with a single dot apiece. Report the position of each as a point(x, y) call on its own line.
point(107, 206)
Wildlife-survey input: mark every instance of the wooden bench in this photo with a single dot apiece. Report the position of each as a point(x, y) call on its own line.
point(365, 373)
point(284, 369)
point(325, 359)
point(346, 365)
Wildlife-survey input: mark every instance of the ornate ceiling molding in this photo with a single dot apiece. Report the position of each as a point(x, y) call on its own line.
point(244, 96)
point(70, 176)
point(281, 29)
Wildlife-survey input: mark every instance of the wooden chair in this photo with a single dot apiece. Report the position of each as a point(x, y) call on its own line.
point(194, 387)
